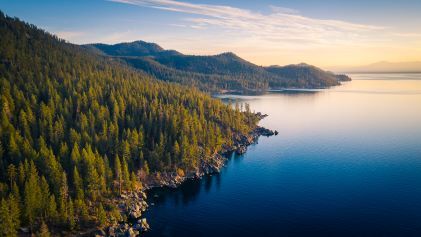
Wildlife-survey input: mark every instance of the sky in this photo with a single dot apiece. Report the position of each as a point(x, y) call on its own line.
point(325, 33)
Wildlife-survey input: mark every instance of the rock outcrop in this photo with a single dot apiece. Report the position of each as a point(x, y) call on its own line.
point(214, 163)
point(131, 206)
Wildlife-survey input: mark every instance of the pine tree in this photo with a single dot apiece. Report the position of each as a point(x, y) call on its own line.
point(43, 231)
point(118, 174)
point(71, 215)
point(77, 184)
point(7, 227)
point(16, 194)
point(52, 213)
point(126, 175)
point(101, 215)
point(32, 196)
point(133, 181)
point(75, 155)
point(64, 194)
point(14, 211)
point(11, 172)
point(45, 196)
point(146, 168)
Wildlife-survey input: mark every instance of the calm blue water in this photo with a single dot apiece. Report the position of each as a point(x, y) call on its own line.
point(347, 162)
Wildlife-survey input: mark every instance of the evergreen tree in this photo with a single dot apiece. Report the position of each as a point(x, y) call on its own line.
point(52, 212)
point(71, 215)
point(101, 215)
point(118, 174)
point(43, 231)
point(14, 208)
point(78, 184)
point(32, 196)
point(11, 172)
point(7, 227)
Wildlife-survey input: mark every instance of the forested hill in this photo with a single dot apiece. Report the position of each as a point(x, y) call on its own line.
point(76, 126)
point(307, 75)
point(225, 71)
point(136, 48)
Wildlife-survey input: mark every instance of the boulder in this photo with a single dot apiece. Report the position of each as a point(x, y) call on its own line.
point(135, 214)
point(125, 226)
point(145, 225)
point(131, 233)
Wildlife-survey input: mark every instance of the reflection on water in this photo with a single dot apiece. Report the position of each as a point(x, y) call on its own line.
point(347, 162)
point(189, 190)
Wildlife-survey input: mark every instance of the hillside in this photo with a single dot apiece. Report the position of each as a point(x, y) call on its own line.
point(217, 73)
point(307, 75)
point(78, 128)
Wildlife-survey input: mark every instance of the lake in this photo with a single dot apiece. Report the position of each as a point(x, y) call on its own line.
point(346, 162)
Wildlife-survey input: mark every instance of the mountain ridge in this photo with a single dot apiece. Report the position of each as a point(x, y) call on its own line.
point(215, 73)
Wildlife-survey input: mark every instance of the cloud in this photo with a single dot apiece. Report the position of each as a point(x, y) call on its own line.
point(281, 24)
point(283, 10)
point(280, 36)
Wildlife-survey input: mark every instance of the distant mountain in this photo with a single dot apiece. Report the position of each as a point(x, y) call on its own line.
point(383, 66)
point(217, 73)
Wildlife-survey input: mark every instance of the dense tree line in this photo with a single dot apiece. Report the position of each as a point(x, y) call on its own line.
point(205, 82)
point(217, 73)
point(77, 128)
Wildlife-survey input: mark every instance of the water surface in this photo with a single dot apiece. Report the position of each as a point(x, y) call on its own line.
point(347, 162)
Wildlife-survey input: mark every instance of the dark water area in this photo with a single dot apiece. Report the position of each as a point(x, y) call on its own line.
point(346, 162)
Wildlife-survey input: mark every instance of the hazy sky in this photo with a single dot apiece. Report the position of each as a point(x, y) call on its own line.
point(321, 32)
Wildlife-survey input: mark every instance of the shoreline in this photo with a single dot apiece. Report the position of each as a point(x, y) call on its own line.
point(132, 205)
point(212, 164)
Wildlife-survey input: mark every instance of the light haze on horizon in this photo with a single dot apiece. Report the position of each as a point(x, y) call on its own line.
point(322, 32)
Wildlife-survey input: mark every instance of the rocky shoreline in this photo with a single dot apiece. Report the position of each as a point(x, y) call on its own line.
point(132, 204)
point(214, 163)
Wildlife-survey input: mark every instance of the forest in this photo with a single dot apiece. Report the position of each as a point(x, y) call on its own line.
point(77, 126)
point(216, 73)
